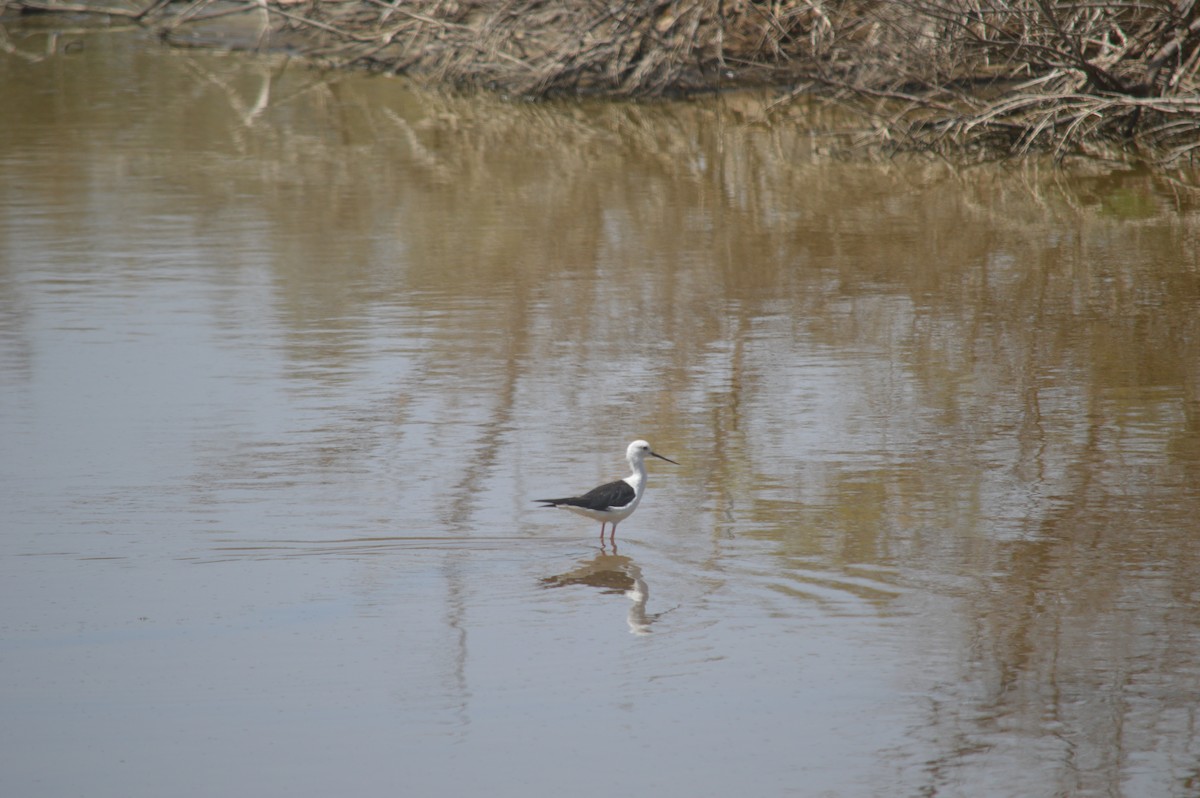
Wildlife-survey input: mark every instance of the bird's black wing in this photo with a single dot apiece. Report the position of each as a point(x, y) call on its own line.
point(612, 494)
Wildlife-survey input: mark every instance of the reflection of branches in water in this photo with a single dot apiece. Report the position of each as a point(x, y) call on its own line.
point(1078, 649)
point(268, 94)
point(246, 112)
point(60, 40)
point(1084, 641)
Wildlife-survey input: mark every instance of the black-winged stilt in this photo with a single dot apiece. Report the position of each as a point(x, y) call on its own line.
point(613, 502)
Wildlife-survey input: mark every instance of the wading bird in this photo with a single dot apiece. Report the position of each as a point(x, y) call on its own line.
point(613, 502)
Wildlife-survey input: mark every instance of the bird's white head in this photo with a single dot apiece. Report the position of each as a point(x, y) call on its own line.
point(637, 452)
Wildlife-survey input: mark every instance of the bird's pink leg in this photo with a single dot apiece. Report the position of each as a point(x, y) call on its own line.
point(602, 523)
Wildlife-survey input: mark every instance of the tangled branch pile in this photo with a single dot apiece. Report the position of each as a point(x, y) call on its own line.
point(1050, 75)
point(1009, 74)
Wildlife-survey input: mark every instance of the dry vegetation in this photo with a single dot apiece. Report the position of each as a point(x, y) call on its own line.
point(988, 75)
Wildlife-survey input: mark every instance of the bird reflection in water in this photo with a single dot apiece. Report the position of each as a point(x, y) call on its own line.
point(613, 574)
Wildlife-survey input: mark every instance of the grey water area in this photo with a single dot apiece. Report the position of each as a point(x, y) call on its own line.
point(286, 357)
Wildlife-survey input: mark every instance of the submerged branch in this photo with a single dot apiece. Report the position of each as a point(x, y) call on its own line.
point(77, 8)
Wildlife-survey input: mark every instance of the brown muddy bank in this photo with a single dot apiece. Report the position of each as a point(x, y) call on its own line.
point(990, 77)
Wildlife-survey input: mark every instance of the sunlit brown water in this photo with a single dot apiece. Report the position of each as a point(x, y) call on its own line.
point(287, 356)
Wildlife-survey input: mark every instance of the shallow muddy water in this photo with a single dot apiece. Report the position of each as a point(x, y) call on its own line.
point(285, 358)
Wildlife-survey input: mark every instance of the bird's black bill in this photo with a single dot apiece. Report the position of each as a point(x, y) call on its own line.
point(660, 457)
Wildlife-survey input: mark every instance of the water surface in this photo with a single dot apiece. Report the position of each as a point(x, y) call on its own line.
point(286, 356)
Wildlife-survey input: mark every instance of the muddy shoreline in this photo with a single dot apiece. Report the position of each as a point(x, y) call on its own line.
point(987, 79)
